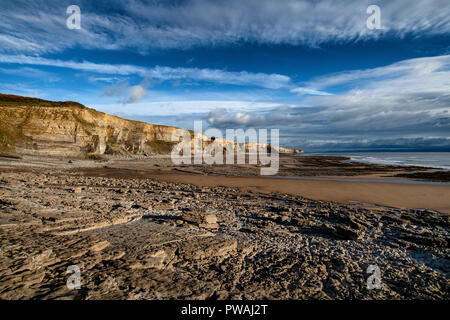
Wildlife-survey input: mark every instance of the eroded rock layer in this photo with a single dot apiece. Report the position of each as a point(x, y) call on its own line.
point(143, 239)
point(30, 126)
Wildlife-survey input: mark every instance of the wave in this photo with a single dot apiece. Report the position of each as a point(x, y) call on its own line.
point(441, 161)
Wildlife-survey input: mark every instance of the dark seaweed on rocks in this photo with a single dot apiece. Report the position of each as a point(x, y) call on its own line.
point(439, 176)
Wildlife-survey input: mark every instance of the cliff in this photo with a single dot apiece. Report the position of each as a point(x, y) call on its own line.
point(30, 126)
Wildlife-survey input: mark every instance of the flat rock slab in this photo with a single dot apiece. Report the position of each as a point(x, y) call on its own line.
point(208, 248)
point(200, 218)
point(268, 246)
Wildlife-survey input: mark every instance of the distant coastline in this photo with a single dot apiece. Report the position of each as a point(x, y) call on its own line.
point(437, 160)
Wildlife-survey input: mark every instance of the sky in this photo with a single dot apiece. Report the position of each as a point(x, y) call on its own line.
point(312, 69)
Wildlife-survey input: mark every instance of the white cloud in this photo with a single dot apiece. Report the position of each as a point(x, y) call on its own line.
point(39, 26)
point(183, 108)
point(136, 93)
point(30, 73)
point(93, 79)
point(14, 44)
point(223, 118)
point(116, 89)
point(407, 92)
point(133, 94)
point(271, 81)
point(309, 91)
point(412, 69)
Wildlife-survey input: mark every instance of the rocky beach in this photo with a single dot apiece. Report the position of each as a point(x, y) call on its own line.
point(146, 229)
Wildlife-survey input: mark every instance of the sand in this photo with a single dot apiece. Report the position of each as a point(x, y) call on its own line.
point(434, 197)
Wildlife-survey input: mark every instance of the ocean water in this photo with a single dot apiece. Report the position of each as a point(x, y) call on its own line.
point(438, 160)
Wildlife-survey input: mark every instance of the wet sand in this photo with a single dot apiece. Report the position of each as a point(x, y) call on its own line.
point(434, 197)
point(397, 195)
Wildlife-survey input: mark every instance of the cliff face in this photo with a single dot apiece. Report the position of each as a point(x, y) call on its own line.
point(67, 129)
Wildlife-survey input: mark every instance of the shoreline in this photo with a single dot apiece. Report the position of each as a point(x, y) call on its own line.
point(362, 157)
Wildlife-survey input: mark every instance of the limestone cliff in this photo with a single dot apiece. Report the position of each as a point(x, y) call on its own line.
point(30, 126)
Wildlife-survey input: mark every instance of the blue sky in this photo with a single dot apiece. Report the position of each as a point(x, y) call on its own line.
point(310, 68)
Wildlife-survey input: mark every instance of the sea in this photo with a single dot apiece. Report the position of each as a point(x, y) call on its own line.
point(438, 160)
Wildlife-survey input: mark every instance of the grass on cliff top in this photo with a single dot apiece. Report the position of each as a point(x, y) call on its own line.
point(10, 100)
point(13, 101)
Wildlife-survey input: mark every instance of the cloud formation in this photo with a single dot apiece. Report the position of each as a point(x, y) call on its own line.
point(270, 81)
point(407, 93)
point(222, 118)
point(406, 100)
point(30, 73)
point(136, 93)
point(116, 89)
point(132, 94)
point(40, 26)
point(309, 91)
